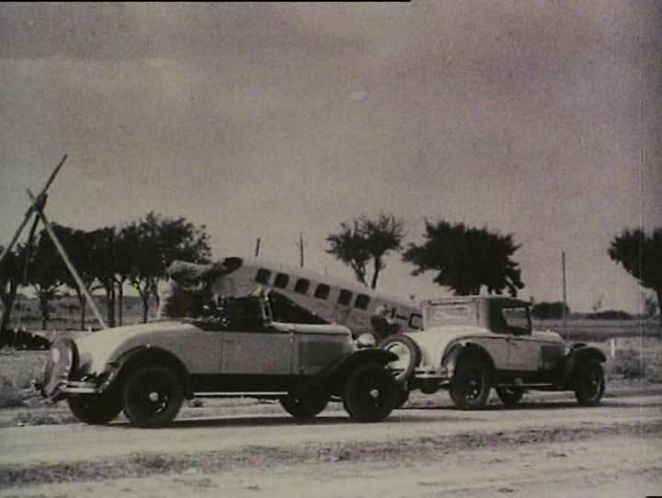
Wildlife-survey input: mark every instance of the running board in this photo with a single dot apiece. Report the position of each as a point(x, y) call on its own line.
point(244, 394)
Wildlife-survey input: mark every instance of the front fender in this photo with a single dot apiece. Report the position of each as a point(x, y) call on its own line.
point(143, 355)
point(332, 378)
point(574, 359)
point(455, 351)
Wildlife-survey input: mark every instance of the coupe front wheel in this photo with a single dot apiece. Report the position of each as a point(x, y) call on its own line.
point(304, 407)
point(590, 383)
point(152, 396)
point(470, 386)
point(510, 396)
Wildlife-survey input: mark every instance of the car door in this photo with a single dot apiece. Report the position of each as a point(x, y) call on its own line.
point(264, 352)
point(523, 349)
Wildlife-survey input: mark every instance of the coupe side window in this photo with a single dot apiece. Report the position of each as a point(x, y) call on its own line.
point(322, 291)
point(345, 297)
point(281, 281)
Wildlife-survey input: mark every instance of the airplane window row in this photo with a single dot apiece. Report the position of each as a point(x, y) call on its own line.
point(322, 291)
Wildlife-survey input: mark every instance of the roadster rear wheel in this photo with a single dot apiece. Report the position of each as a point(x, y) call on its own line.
point(370, 393)
point(152, 396)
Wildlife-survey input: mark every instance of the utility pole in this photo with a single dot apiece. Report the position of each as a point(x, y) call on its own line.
point(565, 297)
point(301, 260)
point(257, 247)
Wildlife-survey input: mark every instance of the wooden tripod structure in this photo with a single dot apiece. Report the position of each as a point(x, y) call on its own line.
point(36, 208)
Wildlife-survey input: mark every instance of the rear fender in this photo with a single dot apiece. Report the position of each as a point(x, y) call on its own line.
point(576, 357)
point(332, 379)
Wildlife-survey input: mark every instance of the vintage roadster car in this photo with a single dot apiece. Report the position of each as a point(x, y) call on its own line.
point(240, 348)
point(471, 344)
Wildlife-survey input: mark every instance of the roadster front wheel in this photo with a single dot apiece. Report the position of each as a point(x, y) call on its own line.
point(152, 396)
point(370, 393)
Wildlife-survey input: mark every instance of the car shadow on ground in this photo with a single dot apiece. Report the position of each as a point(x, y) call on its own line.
point(538, 405)
point(285, 421)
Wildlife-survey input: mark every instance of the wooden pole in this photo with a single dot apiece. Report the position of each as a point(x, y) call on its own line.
point(565, 297)
point(69, 264)
point(33, 207)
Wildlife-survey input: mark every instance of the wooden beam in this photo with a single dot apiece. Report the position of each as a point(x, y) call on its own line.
point(70, 266)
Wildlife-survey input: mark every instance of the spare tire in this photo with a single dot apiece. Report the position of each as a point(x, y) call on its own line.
point(408, 353)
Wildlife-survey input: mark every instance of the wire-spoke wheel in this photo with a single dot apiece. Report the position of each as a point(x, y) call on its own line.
point(510, 396)
point(152, 396)
point(304, 407)
point(470, 386)
point(590, 383)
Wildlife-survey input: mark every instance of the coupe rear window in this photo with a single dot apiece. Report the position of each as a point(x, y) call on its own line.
point(455, 314)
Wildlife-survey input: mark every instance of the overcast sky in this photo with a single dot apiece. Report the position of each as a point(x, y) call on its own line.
point(540, 119)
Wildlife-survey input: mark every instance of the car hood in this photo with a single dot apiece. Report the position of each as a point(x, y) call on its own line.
point(98, 348)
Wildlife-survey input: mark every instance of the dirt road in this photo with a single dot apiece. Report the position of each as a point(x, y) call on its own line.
point(554, 449)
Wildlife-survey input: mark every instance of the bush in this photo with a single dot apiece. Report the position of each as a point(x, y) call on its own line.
point(547, 311)
point(610, 315)
point(629, 363)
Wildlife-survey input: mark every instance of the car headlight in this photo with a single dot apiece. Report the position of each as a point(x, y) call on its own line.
point(366, 340)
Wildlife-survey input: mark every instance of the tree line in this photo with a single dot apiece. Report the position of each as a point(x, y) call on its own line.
point(462, 258)
point(469, 259)
point(108, 259)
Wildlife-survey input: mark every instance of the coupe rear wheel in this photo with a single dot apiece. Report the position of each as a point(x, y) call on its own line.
point(470, 386)
point(370, 393)
point(590, 383)
point(95, 409)
point(304, 407)
point(510, 396)
point(152, 396)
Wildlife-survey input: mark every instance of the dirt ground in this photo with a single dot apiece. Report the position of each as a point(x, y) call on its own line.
point(543, 448)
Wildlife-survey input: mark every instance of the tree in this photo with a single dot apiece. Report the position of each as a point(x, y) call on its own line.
point(467, 258)
point(152, 243)
point(46, 272)
point(367, 240)
point(11, 276)
point(79, 246)
point(641, 256)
